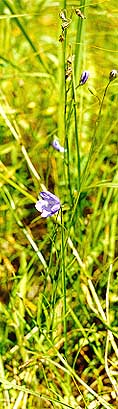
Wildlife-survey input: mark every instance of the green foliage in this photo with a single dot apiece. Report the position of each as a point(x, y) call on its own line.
point(58, 276)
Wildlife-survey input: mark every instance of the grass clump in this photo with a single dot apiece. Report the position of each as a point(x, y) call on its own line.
point(58, 275)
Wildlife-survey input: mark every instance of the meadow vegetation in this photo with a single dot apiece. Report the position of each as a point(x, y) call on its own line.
point(59, 275)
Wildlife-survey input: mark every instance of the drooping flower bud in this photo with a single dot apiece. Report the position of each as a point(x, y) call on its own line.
point(84, 77)
point(113, 74)
point(56, 145)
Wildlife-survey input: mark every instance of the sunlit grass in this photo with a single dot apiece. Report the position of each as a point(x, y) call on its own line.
point(58, 276)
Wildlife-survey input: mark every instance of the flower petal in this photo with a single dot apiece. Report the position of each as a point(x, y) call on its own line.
point(39, 205)
point(47, 196)
point(45, 213)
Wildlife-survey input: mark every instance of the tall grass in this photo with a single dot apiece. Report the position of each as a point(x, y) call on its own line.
point(58, 276)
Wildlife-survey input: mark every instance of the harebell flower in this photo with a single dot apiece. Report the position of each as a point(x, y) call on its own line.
point(48, 205)
point(56, 145)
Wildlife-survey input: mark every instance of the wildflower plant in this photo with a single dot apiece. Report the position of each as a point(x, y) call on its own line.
point(58, 278)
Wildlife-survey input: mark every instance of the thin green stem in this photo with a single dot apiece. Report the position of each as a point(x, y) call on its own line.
point(64, 4)
point(67, 155)
point(76, 134)
point(78, 44)
point(64, 284)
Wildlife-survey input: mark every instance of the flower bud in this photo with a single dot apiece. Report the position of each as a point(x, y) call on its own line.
point(113, 74)
point(84, 77)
